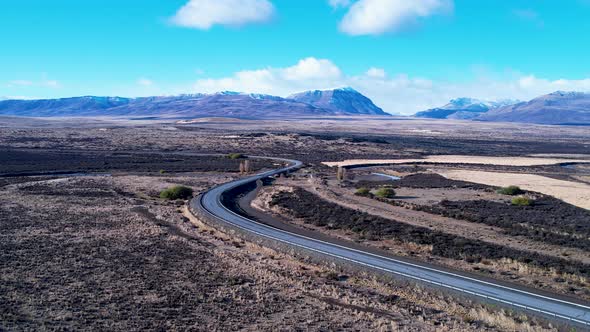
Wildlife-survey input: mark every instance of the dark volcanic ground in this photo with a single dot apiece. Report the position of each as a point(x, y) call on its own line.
point(86, 253)
point(296, 144)
point(34, 162)
point(97, 253)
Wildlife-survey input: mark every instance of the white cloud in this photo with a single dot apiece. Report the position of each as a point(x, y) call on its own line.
point(312, 68)
point(527, 14)
point(339, 3)
point(145, 82)
point(20, 83)
point(307, 72)
point(376, 72)
point(203, 14)
point(395, 94)
point(530, 16)
point(374, 17)
point(18, 98)
point(50, 84)
point(43, 82)
point(542, 85)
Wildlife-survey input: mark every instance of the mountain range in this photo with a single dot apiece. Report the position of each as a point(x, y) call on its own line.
point(463, 109)
point(345, 100)
point(223, 104)
point(557, 108)
point(571, 108)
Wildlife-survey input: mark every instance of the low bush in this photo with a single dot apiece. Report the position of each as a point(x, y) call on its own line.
point(312, 209)
point(510, 190)
point(422, 180)
point(162, 171)
point(236, 156)
point(551, 221)
point(385, 193)
point(522, 201)
point(177, 192)
point(363, 192)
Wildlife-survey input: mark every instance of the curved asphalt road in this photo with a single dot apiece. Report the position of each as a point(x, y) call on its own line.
point(210, 203)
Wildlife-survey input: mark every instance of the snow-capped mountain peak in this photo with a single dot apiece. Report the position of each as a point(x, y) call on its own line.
point(464, 108)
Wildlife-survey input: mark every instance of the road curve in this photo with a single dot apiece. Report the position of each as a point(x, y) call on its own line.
point(210, 204)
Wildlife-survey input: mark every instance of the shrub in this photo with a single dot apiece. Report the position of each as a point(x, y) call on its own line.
point(162, 171)
point(363, 192)
point(385, 193)
point(235, 156)
point(177, 192)
point(510, 190)
point(312, 209)
point(332, 276)
point(522, 201)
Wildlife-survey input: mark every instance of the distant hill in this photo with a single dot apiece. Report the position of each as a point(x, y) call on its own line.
point(463, 109)
point(223, 104)
point(571, 108)
point(342, 101)
point(198, 105)
point(61, 107)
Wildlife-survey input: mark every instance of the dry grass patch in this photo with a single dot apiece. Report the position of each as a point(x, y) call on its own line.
point(575, 193)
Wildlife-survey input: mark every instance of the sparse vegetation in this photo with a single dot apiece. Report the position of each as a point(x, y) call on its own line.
point(162, 171)
point(363, 192)
point(46, 162)
point(423, 180)
point(248, 271)
point(385, 192)
point(306, 206)
point(177, 192)
point(522, 201)
point(550, 221)
point(150, 254)
point(510, 190)
point(236, 156)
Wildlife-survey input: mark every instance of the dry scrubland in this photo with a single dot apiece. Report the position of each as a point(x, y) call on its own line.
point(575, 193)
point(463, 225)
point(440, 209)
point(507, 261)
point(309, 140)
point(104, 252)
point(92, 253)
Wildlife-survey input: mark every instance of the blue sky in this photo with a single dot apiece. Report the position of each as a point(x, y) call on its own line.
point(406, 55)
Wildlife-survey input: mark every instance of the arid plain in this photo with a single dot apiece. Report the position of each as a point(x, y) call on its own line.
point(88, 243)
